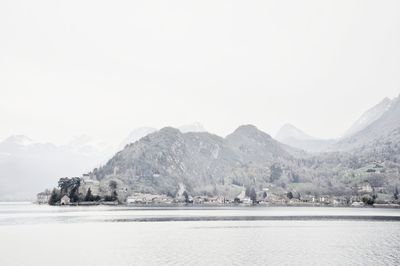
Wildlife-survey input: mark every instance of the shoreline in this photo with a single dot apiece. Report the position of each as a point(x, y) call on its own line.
point(205, 206)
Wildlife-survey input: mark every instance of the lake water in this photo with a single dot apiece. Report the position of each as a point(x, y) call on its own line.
point(99, 235)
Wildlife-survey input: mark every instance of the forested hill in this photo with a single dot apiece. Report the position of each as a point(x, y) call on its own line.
point(206, 164)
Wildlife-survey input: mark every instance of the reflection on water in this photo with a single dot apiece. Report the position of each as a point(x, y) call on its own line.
point(43, 235)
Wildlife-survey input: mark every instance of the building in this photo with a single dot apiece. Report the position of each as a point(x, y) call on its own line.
point(88, 182)
point(144, 198)
point(65, 200)
point(365, 188)
point(242, 197)
point(43, 197)
point(325, 199)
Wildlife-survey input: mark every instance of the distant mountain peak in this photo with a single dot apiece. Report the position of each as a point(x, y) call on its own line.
point(137, 134)
point(380, 124)
point(370, 116)
point(288, 131)
point(170, 130)
point(195, 127)
point(19, 140)
point(294, 137)
point(247, 129)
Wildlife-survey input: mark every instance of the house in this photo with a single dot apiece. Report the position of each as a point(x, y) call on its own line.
point(243, 198)
point(65, 200)
point(365, 188)
point(340, 201)
point(324, 199)
point(308, 198)
point(43, 197)
point(144, 198)
point(199, 199)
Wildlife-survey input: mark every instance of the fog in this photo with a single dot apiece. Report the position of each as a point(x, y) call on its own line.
point(103, 68)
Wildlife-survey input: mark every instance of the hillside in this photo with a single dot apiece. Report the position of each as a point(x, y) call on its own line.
point(382, 133)
point(368, 117)
point(202, 162)
point(205, 164)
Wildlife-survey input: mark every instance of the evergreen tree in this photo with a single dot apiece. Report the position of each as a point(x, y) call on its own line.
point(185, 194)
point(289, 195)
point(253, 195)
point(54, 197)
point(89, 196)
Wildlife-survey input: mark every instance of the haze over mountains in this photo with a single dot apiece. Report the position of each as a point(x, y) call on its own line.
point(27, 166)
point(294, 137)
point(206, 164)
point(160, 161)
point(385, 114)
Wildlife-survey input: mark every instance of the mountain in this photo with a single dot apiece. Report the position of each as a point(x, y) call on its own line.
point(141, 132)
point(251, 144)
point(28, 167)
point(201, 162)
point(292, 136)
point(368, 117)
point(195, 127)
point(289, 131)
point(383, 132)
point(136, 134)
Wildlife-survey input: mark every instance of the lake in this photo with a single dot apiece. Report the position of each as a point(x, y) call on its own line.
point(101, 235)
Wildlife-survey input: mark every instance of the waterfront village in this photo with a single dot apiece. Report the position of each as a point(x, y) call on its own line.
point(87, 190)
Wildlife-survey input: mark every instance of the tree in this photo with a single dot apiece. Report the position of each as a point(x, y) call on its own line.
point(54, 197)
point(396, 193)
point(253, 195)
point(367, 199)
point(276, 172)
point(185, 194)
point(289, 195)
point(63, 184)
point(89, 196)
point(70, 187)
point(113, 185)
point(247, 192)
point(75, 183)
point(114, 195)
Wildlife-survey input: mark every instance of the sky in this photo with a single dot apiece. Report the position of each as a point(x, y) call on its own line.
point(103, 68)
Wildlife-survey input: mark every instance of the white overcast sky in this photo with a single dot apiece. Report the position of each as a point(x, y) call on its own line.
point(103, 68)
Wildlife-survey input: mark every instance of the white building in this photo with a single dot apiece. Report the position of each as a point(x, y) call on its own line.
point(65, 200)
point(242, 197)
point(86, 183)
point(43, 197)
